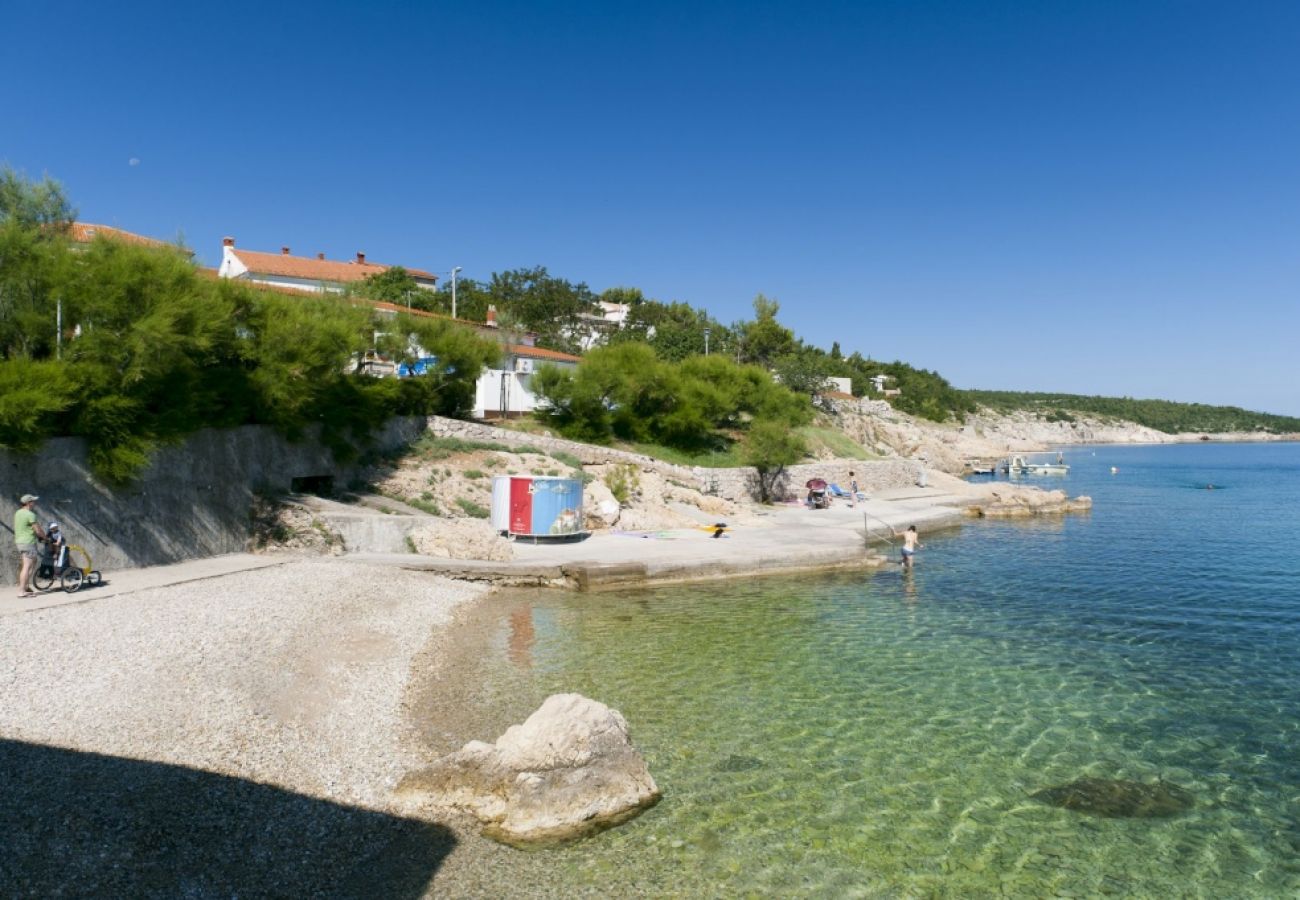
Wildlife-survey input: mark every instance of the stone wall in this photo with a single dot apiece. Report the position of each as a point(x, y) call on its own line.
point(192, 501)
point(731, 484)
point(590, 454)
point(871, 475)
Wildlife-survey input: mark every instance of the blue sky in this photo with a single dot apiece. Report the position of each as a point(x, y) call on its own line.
point(1096, 197)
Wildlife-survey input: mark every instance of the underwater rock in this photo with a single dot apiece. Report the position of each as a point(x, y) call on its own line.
point(737, 763)
point(568, 771)
point(1117, 798)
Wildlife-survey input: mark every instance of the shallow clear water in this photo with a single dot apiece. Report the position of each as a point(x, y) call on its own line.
point(882, 734)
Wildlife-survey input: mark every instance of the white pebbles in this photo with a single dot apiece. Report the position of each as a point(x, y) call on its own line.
point(292, 676)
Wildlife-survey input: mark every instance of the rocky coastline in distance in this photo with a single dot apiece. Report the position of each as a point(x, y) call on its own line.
point(990, 435)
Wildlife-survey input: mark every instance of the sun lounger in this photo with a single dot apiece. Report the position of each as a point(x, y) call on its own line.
point(837, 491)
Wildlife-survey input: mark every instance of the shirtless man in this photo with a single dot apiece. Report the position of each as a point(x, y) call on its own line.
point(911, 543)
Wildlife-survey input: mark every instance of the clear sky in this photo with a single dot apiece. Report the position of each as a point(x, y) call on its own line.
point(1087, 196)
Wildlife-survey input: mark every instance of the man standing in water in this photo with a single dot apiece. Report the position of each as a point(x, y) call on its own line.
point(911, 543)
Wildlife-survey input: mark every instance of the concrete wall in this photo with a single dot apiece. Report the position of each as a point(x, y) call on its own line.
point(192, 501)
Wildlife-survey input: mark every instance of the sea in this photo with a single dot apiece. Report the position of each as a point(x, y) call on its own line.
point(896, 734)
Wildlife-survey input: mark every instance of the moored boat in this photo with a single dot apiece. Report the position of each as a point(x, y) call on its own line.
point(1020, 465)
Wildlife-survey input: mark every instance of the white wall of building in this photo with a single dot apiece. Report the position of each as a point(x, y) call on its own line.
point(518, 396)
point(231, 265)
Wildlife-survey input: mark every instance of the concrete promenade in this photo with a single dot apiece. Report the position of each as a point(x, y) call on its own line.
point(782, 539)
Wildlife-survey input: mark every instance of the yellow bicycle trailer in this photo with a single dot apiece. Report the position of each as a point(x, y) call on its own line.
point(68, 564)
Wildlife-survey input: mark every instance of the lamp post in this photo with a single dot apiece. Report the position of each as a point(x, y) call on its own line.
point(707, 332)
point(453, 291)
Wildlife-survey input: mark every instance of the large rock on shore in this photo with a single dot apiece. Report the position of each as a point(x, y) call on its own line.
point(568, 771)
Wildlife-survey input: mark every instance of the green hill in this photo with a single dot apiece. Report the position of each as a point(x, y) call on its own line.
point(1162, 415)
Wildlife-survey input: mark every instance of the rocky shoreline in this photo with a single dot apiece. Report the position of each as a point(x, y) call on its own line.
point(988, 436)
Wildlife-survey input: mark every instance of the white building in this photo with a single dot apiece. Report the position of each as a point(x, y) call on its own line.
point(503, 391)
point(303, 273)
point(506, 391)
point(597, 326)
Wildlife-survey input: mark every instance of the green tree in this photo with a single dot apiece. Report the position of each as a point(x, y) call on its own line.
point(769, 448)
point(804, 371)
point(552, 308)
point(396, 285)
point(675, 330)
point(627, 295)
point(34, 221)
point(764, 339)
point(152, 351)
point(626, 392)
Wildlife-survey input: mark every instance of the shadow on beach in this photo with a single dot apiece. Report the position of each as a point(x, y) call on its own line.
point(79, 824)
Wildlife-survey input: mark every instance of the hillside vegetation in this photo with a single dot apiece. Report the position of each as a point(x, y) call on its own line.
point(1162, 415)
point(150, 349)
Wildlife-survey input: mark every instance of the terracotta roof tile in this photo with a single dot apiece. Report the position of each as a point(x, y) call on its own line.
point(310, 269)
point(85, 232)
point(541, 353)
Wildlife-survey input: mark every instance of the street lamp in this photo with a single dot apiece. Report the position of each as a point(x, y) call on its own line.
point(707, 332)
point(453, 291)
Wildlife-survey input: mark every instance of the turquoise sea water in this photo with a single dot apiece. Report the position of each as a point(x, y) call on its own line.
point(881, 735)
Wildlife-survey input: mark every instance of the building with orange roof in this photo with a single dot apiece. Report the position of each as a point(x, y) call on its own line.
point(302, 273)
point(501, 391)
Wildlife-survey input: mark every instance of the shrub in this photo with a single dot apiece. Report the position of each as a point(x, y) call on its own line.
point(567, 458)
point(623, 392)
point(153, 351)
point(472, 509)
point(623, 481)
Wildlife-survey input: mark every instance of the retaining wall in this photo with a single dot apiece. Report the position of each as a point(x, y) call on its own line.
point(192, 501)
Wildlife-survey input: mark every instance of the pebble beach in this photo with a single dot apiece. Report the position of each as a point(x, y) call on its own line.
point(260, 712)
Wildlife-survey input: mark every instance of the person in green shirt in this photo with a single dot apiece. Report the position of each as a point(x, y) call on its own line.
point(26, 533)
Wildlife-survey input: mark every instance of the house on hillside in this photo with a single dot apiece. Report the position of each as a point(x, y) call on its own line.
point(503, 391)
point(506, 391)
point(597, 326)
point(878, 382)
point(307, 274)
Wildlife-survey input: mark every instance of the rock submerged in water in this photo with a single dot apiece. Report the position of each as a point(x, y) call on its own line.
point(1117, 798)
point(738, 763)
point(568, 771)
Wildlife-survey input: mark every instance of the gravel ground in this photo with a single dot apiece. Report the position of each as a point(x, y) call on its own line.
point(236, 736)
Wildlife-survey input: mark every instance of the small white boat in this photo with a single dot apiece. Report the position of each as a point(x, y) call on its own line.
point(1019, 465)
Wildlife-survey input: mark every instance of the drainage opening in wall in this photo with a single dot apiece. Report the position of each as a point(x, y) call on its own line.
point(320, 485)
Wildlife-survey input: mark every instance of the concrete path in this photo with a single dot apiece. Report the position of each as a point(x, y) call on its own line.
point(785, 539)
point(128, 581)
